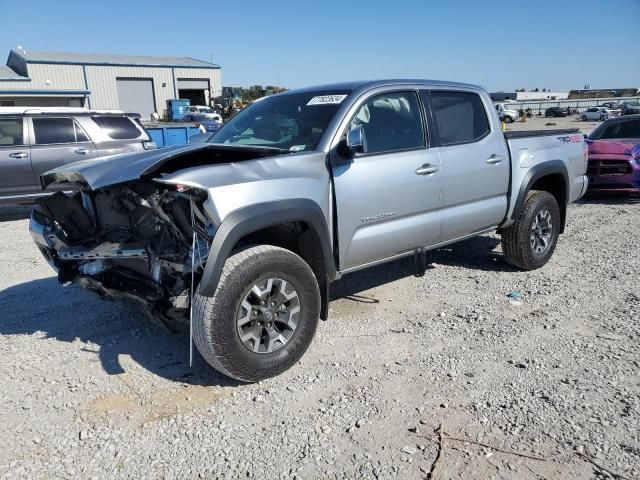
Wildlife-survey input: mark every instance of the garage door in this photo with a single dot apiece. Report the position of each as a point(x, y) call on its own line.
point(135, 95)
point(190, 84)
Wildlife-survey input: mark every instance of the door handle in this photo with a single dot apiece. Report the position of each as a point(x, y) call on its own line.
point(19, 155)
point(426, 169)
point(82, 151)
point(494, 159)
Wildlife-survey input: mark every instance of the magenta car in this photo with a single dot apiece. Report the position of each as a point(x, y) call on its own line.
point(614, 155)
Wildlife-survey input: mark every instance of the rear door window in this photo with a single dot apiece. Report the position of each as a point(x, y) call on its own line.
point(460, 117)
point(54, 130)
point(118, 128)
point(11, 132)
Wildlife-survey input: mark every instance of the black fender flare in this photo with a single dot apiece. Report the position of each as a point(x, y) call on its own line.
point(534, 174)
point(256, 217)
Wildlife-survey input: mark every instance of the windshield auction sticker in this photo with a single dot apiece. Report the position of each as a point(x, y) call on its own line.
point(326, 99)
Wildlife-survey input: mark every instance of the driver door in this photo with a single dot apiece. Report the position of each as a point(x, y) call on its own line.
point(388, 196)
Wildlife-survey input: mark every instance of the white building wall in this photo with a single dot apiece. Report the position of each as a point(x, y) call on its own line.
point(104, 95)
point(50, 77)
point(101, 81)
point(102, 84)
point(213, 75)
point(524, 96)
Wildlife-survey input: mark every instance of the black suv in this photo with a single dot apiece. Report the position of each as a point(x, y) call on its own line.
point(556, 112)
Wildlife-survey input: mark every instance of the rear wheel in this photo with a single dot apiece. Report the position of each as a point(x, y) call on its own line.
point(530, 241)
point(261, 318)
point(507, 119)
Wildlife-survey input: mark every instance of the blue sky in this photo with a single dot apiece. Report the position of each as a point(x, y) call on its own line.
point(500, 45)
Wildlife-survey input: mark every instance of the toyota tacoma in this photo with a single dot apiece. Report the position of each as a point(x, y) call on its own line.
point(243, 235)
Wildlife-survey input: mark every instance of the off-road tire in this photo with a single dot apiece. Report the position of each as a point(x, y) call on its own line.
point(214, 324)
point(516, 239)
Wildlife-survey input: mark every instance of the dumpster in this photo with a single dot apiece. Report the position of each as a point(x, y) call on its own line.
point(167, 136)
point(177, 108)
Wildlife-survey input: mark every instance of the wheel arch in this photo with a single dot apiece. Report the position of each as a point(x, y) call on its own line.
point(270, 223)
point(550, 177)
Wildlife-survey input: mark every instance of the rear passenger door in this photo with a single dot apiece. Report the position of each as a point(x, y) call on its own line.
point(116, 134)
point(16, 175)
point(57, 141)
point(474, 162)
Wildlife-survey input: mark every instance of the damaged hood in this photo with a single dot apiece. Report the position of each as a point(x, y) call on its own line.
point(117, 169)
point(629, 147)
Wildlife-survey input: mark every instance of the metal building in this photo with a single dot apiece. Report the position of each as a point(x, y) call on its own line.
point(139, 84)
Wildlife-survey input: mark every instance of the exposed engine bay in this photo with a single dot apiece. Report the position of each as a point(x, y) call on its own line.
point(142, 242)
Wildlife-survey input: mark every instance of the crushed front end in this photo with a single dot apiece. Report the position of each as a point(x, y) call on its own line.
point(143, 242)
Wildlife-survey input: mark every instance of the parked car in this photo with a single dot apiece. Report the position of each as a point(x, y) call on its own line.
point(611, 105)
point(506, 114)
point(200, 111)
point(296, 190)
point(34, 140)
point(595, 113)
point(556, 112)
point(614, 108)
point(630, 108)
point(614, 155)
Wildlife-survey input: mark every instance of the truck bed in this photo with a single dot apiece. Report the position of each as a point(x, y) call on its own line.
point(533, 150)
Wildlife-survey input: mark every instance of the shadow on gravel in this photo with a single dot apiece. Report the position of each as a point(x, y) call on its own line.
point(45, 308)
point(15, 212)
point(475, 254)
point(610, 198)
point(67, 314)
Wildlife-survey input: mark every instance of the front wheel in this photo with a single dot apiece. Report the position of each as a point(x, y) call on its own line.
point(261, 318)
point(530, 241)
point(584, 118)
point(602, 118)
point(507, 119)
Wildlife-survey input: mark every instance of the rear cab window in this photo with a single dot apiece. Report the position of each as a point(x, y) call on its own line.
point(117, 128)
point(56, 130)
point(11, 132)
point(459, 117)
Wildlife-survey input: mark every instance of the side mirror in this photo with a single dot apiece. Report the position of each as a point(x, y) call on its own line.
point(356, 140)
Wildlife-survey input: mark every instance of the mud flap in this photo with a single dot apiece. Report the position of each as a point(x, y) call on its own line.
point(420, 262)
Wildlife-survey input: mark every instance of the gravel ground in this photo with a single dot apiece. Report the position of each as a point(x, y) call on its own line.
point(442, 373)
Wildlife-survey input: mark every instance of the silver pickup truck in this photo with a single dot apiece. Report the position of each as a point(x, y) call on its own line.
point(243, 235)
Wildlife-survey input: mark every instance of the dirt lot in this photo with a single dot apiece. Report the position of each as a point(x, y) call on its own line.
point(441, 373)
point(542, 123)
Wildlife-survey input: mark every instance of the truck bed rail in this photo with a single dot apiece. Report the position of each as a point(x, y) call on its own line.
point(537, 133)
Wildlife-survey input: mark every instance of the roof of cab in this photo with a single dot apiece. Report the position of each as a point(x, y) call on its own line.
point(368, 84)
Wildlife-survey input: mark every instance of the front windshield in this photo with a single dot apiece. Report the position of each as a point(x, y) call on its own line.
point(619, 129)
point(291, 121)
point(206, 110)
